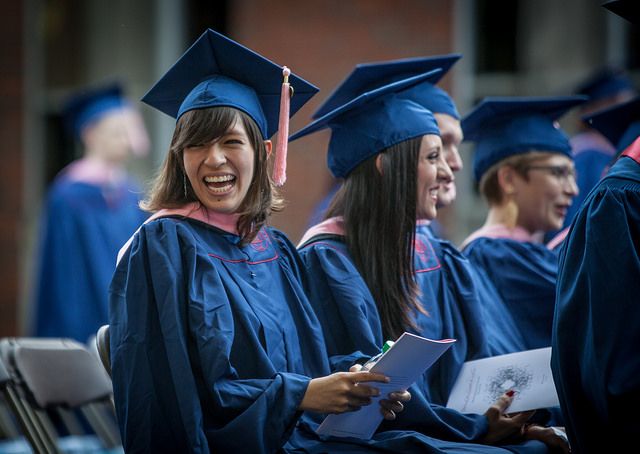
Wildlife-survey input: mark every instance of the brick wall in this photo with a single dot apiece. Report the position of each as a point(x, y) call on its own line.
point(11, 171)
point(322, 40)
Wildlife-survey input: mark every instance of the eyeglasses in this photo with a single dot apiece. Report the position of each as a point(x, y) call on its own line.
point(562, 173)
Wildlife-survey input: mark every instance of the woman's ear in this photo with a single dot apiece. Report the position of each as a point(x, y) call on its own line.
point(506, 180)
point(379, 163)
point(269, 147)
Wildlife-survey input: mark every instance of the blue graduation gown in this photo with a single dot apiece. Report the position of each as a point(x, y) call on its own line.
point(488, 327)
point(213, 345)
point(350, 322)
point(596, 333)
point(524, 274)
point(204, 342)
point(83, 228)
point(450, 296)
point(487, 321)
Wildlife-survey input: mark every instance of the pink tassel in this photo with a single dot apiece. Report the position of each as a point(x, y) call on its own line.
point(280, 165)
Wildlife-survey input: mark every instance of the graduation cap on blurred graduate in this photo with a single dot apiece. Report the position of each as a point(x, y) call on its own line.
point(627, 9)
point(90, 104)
point(373, 121)
point(217, 71)
point(620, 124)
point(605, 83)
point(506, 126)
point(369, 76)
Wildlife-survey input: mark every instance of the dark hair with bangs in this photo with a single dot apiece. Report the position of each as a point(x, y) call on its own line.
point(379, 210)
point(201, 126)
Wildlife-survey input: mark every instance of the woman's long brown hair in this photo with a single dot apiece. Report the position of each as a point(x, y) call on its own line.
point(379, 210)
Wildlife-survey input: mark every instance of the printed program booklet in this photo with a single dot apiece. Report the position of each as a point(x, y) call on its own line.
point(481, 382)
point(403, 363)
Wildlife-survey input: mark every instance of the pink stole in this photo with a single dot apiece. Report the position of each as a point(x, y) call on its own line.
point(591, 141)
point(193, 210)
point(334, 226)
point(502, 231)
point(92, 171)
point(633, 151)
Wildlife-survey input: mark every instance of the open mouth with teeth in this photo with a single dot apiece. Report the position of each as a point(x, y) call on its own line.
point(220, 183)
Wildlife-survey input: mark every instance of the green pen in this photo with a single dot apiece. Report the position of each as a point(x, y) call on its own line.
point(385, 347)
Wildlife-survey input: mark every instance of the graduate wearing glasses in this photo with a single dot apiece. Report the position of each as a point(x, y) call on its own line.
point(525, 172)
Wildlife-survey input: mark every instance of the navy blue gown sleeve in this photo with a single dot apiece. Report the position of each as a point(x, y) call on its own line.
point(525, 276)
point(501, 329)
point(332, 280)
point(452, 300)
point(596, 336)
point(350, 322)
point(82, 229)
point(197, 365)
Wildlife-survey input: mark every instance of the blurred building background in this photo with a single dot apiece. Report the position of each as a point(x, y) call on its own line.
point(49, 48)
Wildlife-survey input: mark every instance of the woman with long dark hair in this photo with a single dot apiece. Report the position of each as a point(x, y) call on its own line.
point(361, 259)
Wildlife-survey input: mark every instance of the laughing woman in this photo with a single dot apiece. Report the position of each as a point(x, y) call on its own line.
point(214, 346)
point(525, 170)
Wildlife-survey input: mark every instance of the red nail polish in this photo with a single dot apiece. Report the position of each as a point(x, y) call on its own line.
point(510, 393)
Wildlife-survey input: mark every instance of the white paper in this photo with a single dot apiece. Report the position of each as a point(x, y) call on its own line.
point(481, 382)
point(403, 363)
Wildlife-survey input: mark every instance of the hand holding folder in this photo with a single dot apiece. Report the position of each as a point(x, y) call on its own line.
point(403, 363)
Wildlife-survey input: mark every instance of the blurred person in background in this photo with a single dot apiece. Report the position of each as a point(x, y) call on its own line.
point(592, 152)
point(91, 210)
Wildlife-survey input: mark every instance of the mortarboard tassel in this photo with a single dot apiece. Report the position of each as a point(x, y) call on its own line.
point(633, 150)
point(280, 165)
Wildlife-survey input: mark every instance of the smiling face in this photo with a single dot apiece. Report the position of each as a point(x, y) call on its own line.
point(451, 134)
point(545, 194)
point(221, 171)
point(431, 171)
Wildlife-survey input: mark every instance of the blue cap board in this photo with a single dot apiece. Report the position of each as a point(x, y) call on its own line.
point(369, 76)
point(506, 126)
point(627, 9)
point(90, 104)
point(372, 122)
point(217, 71)
point(604, 83)
point(620, 124)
